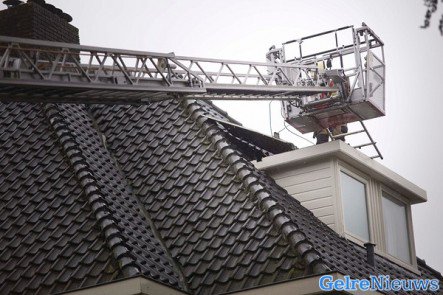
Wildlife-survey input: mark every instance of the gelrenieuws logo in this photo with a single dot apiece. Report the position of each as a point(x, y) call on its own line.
point(377, 283)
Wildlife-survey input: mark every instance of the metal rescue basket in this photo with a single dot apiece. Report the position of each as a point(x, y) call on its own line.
point(355, 65)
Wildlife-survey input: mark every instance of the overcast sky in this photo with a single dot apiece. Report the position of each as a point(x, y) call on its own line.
point(410, 136)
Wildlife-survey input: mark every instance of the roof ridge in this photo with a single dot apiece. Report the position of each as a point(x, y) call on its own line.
point(96, 200)
point(268, 204)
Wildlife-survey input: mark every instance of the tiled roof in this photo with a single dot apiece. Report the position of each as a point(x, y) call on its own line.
point(340, 254)
point(68, 218)
point(50, 240)
point(210, 222)
point(158, 190)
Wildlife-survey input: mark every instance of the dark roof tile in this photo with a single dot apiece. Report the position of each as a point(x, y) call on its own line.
point(91, 194)
point(204, 181)
point(53, 238)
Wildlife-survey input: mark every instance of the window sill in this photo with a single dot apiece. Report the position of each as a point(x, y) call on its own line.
point(411, 267)
point(392, 259)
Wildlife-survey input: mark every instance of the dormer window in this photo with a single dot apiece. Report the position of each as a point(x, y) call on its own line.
point(355, 212)
point(395, 220)
point(371, 212)
point(357, 197)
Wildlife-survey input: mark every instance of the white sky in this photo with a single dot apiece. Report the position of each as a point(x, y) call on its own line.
point(409, 136)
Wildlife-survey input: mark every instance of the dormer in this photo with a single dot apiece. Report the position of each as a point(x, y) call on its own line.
point(356, 196)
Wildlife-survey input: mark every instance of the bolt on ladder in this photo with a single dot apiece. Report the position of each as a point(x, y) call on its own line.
point(363, 130)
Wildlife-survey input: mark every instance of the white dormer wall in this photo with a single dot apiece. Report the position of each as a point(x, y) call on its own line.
point(313, 184)
point(312, 176)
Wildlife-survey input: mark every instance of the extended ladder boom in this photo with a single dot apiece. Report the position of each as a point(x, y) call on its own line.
point(60, 72)
point(316, 92)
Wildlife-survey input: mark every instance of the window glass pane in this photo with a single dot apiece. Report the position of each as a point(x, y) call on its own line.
point(396, 228)
point(353, 194)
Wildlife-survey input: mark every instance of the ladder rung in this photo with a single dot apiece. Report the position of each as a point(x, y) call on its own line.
point(347, 134)
point(375, 157)
point(363, 145)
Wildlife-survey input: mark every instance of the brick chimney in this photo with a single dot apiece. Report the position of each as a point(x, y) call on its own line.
point(37, 20)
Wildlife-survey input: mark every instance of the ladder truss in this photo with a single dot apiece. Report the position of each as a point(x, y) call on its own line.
point(44, 71)
point(60, 72)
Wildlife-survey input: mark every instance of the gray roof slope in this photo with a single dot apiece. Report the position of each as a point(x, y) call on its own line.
point(50, 241)
point(141, 251)
point(209, 221)
point(168, 194)
point(99, 215)
point(338, 253)
point(178, 182)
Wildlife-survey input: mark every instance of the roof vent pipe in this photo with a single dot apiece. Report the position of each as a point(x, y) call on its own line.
point(370, 254)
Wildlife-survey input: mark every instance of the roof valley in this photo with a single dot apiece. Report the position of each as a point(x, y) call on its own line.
point(96, 200)
point(146, 214)
point(296, 238)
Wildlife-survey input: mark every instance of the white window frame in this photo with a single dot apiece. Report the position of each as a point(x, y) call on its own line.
point(374, 190)
point(395, 195)
point(343, 168)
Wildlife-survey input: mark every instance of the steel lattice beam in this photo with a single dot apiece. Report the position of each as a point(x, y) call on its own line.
point(35, 70)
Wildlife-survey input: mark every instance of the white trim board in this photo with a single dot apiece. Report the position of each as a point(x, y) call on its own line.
point(340, 150)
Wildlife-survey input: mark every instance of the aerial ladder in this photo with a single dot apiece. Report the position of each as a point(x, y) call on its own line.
point(317, 89)
point(354, 63)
